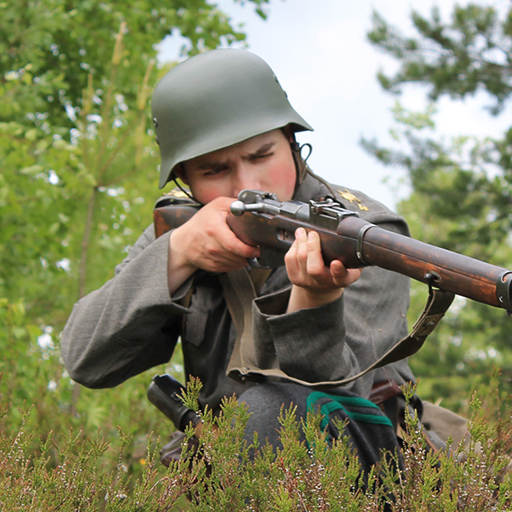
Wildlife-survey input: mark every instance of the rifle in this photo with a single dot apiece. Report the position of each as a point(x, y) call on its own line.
point(260, 219)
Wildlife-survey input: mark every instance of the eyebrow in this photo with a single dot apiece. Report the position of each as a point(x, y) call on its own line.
point(210, 165)
point(263, 149)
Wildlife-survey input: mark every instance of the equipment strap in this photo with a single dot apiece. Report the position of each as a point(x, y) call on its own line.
point(239, 292)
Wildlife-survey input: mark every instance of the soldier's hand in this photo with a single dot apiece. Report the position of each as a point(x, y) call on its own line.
point(206, 241)
point(314, 284)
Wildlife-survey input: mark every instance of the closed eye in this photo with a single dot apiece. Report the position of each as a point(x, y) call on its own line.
point(264, 151)
point(260, 156)
point(212, 171)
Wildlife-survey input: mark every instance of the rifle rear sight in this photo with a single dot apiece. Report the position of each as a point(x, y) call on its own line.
point(326, 213)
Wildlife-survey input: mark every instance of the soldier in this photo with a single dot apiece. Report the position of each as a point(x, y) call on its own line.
point(224, 124)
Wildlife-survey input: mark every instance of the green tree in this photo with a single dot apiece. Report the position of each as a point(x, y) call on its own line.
point(461, 186)
point(79, 178)
point(55, 44)
point(77, 150)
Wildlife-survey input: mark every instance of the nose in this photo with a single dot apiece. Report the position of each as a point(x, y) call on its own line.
point(244, 178)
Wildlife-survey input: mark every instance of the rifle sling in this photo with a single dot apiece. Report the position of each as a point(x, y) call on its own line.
point(239, 291)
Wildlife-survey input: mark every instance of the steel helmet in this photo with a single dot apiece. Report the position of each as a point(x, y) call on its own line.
point(214, 100)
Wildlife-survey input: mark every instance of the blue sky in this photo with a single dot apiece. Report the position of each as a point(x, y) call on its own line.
point(319, 52)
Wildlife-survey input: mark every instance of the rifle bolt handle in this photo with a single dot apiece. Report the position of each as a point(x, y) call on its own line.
point(237, 208)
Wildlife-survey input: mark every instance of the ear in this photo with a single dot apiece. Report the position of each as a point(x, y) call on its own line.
point(181, 172)
point(288, 133)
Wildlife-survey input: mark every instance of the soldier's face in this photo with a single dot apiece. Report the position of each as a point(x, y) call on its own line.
point(263, 162)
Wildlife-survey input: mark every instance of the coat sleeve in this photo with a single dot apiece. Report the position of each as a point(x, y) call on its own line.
point(342, 338)
point(128, 325)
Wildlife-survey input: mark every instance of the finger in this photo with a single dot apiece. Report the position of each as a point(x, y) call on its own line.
point(290, 258)
point(337, 268)
point(301, 237)
point(301, 240)
point(224, 239)
point(295, 260)
point(222, 203)
point(296, 257)
point(353, 274)
point(224, 263)
point(300, 234)
point(230, 241)
point(338, 273)
point(341, 276)
point(315, 261)
point(235, 246)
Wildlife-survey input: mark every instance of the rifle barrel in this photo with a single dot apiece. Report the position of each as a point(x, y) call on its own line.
point(359, 243)
point(433, 265)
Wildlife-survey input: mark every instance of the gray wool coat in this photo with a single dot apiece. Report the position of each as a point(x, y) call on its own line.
point(132, 323)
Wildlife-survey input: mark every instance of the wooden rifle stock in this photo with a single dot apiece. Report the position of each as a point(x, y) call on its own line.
point(259, 219)
point(170, 216)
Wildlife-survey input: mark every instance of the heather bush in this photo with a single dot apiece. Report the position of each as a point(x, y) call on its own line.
point(84, 468)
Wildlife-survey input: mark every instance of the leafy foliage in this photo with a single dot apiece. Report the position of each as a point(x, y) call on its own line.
point(457, 58)
point(79, 162)
point(461, 187)
point(53, 46)
point(79, 176)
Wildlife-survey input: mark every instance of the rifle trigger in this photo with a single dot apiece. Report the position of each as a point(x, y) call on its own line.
point(254, 263)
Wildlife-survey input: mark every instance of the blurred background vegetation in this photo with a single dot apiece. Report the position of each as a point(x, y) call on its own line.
point(78, 183)
point(461, 187)
point(79, 179)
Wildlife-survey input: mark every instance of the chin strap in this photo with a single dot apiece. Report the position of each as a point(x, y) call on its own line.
point(300, 161)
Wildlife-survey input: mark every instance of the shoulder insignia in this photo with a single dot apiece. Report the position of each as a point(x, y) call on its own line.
point(349, 196)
